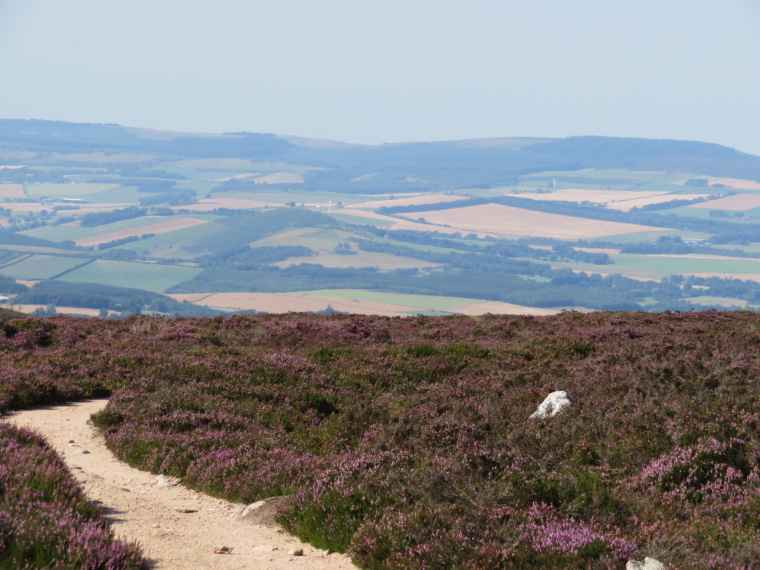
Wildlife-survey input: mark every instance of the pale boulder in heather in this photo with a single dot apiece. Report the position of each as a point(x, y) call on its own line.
point(552, 405)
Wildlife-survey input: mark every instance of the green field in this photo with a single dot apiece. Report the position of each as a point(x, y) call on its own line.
point(73, 231)
point(149, 276)
point(118, 195)
point(172, 244)
point(41, 267)
point(67, 190)
point(349, 219)
point(719, 301)
point(671, 265)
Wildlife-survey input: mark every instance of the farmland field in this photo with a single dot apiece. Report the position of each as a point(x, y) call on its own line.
point(171, 225)
point(173, 244)
point(279, 178)
point(41, 266)
point(356, 302)
point(360, 259)
point(739, 184)
point(739, 202)
point(209, 204)
point(415, 200)
point(12, 191)
point(73, 231)
point(498, 219)
point(148, 276)
point(285, 302)
point(67, 190)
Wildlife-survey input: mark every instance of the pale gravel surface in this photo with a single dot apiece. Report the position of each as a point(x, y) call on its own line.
point(140, 511)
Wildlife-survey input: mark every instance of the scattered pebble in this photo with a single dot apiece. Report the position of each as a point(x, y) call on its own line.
point(83, 452)
point(298, 552)
point(223, 550)
point(185, 510)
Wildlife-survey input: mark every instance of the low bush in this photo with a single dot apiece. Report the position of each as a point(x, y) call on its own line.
point(407, 442)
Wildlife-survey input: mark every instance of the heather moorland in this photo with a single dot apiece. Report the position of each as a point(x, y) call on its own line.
point(408, 442)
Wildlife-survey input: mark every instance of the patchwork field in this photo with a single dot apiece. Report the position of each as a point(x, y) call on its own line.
point(67, 190)
point(209, 204)
point(412, 201)
point(73, 311)
point(160, 228)
point(738, 202)
point(382, 261)
point(285, 302)
point(41, 266)
point(280, 178)
point(498, 219)
point(356, 302)
point(148, 276)
point(394, 223)
point(12, 191)
point(621, 200)
point(739, 184)
point(37, 207)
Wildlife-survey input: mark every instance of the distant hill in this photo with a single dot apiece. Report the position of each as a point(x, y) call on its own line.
point(419, 166)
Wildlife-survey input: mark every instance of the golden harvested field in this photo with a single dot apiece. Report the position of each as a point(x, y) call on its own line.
point(739, 184)
point(11, 191)
point(284, 302)
point(495, 218)
point(209, 204)
point(627, 205)
point(417, 200)
point(621, 200)
point(586, 195)
point(407, 225)
point(29, 309)
point(280, 178)
point(160, 228)
point(499, 308)
point(739, 202)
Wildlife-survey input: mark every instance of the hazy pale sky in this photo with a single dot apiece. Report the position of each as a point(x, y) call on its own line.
point(373, 71)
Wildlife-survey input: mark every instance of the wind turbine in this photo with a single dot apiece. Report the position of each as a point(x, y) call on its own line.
point(554, 183)
point(329, 206)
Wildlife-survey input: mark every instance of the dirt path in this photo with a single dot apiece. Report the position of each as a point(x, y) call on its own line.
point(178, 528)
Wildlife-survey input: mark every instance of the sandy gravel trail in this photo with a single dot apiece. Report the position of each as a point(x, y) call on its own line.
point(178, 528)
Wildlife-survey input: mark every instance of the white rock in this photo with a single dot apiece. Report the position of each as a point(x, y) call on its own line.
point(253, 507)
point(552, 405)
point(163, 482)
point(648, 564)
point(653, 564)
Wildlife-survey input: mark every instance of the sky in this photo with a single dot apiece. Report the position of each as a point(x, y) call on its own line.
point(377, 71)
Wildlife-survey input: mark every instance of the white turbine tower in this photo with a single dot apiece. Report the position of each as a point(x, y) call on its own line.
point(329, 206)
point(554, 183)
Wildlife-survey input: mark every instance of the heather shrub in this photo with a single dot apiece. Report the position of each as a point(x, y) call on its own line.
point(45, 519)
point(407, 441)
